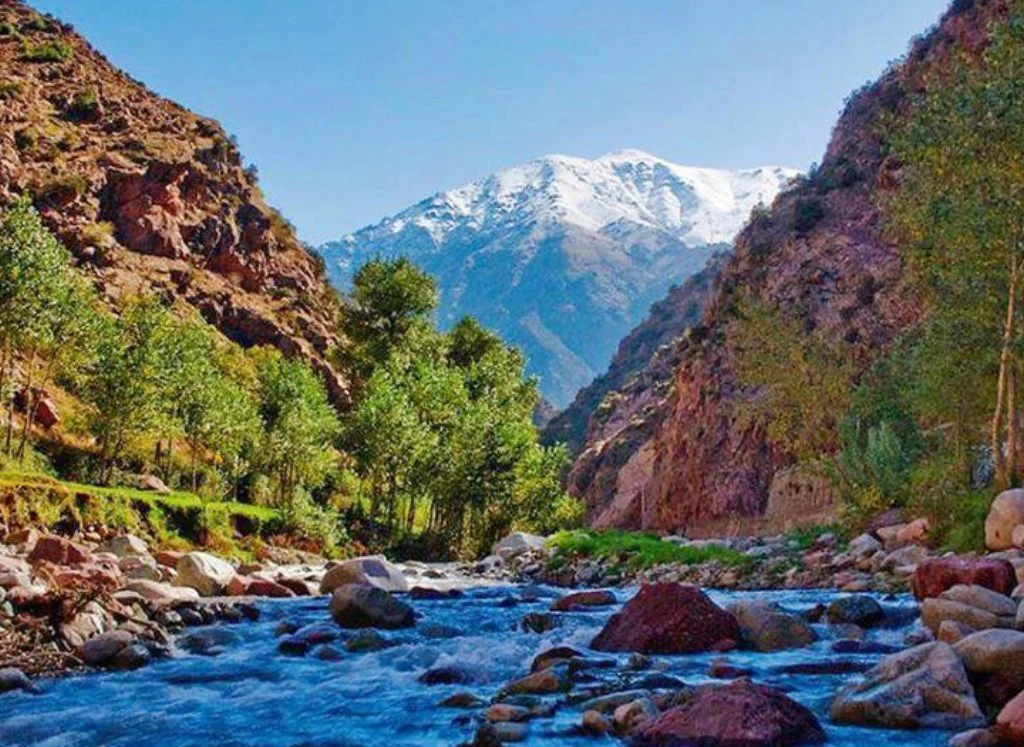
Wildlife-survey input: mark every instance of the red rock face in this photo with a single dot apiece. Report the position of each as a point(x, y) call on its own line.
point(151, 198)
point(841, 276)
point(935, 575)
point(669, 619)
point(740, 713)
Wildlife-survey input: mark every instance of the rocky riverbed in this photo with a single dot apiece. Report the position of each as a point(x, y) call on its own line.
point(876, 639)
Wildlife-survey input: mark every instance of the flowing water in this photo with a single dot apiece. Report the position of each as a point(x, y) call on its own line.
point(250, 694)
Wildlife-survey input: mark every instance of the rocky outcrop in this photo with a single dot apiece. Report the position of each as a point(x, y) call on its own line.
point(819, 255)
point(669, 619)
point(151, 198)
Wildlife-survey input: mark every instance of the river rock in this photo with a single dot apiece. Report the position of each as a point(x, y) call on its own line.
point(974, 606)
point(114, 649)
point(581, 599)
point(500, 712)
point(860, 610)
point(156, 591)
point(544, 682)
point(936, 575)
point(207, 574)
point(127, 545)
point(12, 678)
point(667, 618)
point(863, 546)
point(976, 738)
point(59, 551)
point(994, 660)
point(765, 627)
point(553, 656)
point(517, 543)
point(630, 716)
point(740, 713)
point(358, 606)
point(595, 724)
point(926, 686)
point(372, 570)
point(1010, 722)
point(1005, 515)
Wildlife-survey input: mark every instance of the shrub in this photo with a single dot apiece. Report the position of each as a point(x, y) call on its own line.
point(9, 89)
point(50, 51)
point(98, 234)
point(84, 106)
point(62, 189)
point(871, 470)
point(807, 213)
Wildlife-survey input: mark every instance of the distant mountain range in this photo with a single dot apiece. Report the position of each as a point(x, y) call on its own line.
point(563, 256)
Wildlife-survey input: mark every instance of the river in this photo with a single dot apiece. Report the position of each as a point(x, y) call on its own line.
point(249, 694)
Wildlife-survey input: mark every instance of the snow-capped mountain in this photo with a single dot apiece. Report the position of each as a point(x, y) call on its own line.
point(563, 255)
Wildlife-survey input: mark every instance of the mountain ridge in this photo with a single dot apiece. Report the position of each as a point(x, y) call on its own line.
point(563, 255)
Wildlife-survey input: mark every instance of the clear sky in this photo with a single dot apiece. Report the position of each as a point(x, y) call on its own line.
point(354, 110)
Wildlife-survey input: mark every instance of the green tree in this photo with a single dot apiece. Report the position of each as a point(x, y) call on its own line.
point(958, 210)
point(299, 424)
point(390, 297)
point(799, 382)
point(127, 380)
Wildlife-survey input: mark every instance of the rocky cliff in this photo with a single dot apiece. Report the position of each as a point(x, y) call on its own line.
point(149, 197)
point(818, 253)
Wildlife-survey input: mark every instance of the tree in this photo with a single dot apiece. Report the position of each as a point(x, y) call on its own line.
point(799, 382)
point(958, 210)
point(127, 381)
point(389, 298)
point(299, 424)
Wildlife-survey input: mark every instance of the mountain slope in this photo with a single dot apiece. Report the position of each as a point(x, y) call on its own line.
point(562, 255)
point(150, 197)
point(689, 462)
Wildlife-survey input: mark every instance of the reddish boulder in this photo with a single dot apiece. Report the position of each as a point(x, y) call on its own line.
point(168, 558)
point(740, 713)
point(58, 550)
point(936, 575)
point(1010, 722)
point(592, 598)
point(300, 587)
point(261, 587)
point(669, 619)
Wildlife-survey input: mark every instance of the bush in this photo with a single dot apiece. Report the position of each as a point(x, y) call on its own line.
point(84, 106)
point(98, 234)
point(50, 51)
point(9, 89)
point(871, 470)
point(956, 511)
point(807, 213)
point(62, 189)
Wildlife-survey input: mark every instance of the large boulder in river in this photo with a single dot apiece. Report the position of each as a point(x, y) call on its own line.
point(372, 570)
point(740, 713)
point(1005, 515)
point(922, 687)
point(765, 627)
point(516, 544)
point(669, 618)
point(974, 606)
point(207, 574)
point(360, 606)
point(994, 660)
point(936, 575)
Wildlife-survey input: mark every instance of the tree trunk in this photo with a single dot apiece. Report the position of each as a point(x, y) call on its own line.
point(998, 461)
point(30, 402)
point(1012, 424)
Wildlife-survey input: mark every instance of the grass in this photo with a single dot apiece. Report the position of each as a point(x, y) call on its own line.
point(639, 550)
point(50, 51)
point(176, 499)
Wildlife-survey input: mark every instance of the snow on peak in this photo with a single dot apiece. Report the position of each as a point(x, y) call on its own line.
point(698, 206)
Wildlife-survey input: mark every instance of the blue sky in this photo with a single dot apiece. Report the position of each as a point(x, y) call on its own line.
point(354, 110)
